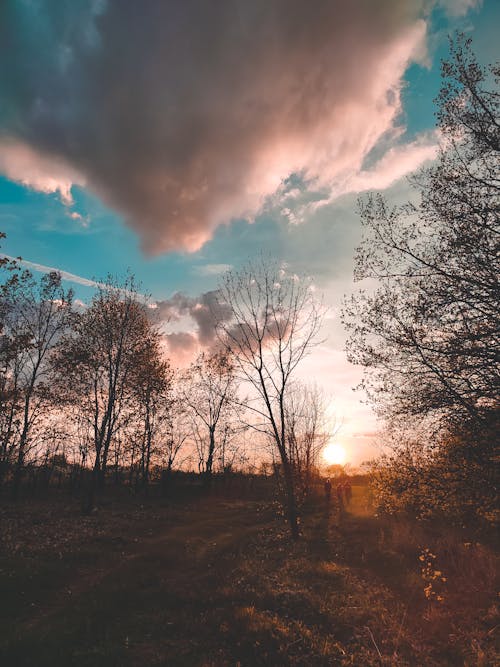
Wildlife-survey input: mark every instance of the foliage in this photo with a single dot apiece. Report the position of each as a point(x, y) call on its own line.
point(429, 334)
point(445, 473)
point(34, 315)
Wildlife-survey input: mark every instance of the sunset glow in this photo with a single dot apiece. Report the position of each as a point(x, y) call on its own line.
point(249, 316)
point(334, 454)
point(216, 160)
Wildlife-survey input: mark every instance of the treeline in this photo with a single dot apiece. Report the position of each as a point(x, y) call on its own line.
point(429, 334)
point(89, 388)
point(84, 385)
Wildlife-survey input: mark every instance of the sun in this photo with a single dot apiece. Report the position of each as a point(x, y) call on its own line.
point(334, 454)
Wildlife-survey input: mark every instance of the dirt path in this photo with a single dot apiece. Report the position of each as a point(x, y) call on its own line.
point(163, 578)
point(185, 549)
point(220, 584)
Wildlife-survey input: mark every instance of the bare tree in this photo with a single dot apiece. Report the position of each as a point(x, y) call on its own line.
point(307, 431)
point(35, 314)
point(209, 392)
point(274, 322)
point(10, 398)
point(10, 395)
point(175, 430)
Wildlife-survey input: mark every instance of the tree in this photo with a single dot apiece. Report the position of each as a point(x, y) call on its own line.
point(429, 335)
point(98, 366)
point(209, 392)
point(427, 474)
point(10, 394)
point(271, 321)
point(175, 430)
point(307, 431)
point(35, 314)
point(11, 344)
point(151, 391)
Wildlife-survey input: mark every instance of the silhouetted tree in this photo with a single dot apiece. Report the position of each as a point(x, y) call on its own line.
point(175, 430)
point(99, 363)
point(209, 388)
point(273, 323)
point(307, 431)
point(429, 335)
point(34, 315)
point(152, 387)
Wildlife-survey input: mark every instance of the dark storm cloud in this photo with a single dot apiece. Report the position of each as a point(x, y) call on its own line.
point(183, 114)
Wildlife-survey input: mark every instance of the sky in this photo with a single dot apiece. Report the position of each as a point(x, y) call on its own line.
point(178, 139)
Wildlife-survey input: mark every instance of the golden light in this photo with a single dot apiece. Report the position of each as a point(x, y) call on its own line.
point(334, 454)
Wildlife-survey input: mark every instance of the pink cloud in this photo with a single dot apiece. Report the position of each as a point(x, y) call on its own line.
point(209, 106)
point(394, 164)
point(21, 163)
point(182, 348)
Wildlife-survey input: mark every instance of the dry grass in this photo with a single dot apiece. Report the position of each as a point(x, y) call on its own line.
point(217, 583)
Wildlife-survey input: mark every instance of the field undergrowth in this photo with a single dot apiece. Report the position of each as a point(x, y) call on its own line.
point(215, 582)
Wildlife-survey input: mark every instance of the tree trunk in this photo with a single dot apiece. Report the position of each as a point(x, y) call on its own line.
point(94, 483)
point(291, 504)
point(166, 479)
point(3, 469)
point(147, 464)
point(18, 473)
point(210, 459)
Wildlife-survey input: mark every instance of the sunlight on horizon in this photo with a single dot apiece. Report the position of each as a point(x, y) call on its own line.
point(334, 454)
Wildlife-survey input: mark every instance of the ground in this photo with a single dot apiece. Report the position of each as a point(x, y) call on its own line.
point(215, 582)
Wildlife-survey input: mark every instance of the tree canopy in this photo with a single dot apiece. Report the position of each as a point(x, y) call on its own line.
point(429, 333)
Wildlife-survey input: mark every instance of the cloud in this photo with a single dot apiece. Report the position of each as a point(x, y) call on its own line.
point(190, 324)
point(193, 320)
point(21, 163)
point(190, 114)
point(212, 269)
point(182, 347)
point(202, 310)
point(65, 275)
point(83, 220)
point(80, 305)
point(459, 7)
point(397, 162)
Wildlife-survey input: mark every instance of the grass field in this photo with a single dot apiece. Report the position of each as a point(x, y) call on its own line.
point(218, 582)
